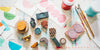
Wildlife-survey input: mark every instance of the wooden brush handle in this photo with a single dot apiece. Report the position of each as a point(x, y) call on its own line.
point(84, 25)
point(87, 23)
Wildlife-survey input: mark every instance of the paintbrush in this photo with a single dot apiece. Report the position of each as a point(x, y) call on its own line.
point(86, 21)
point(82, 22)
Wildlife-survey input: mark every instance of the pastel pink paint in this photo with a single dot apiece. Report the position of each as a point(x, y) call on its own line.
point(49, 8)
point(44, 4)
point(62, 18)
point(27, 4)
point(43, 1)
point(70, 0)
point(55, 13)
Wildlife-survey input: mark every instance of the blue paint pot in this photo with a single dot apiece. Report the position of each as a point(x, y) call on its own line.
point(94, 8)
point(90, 12)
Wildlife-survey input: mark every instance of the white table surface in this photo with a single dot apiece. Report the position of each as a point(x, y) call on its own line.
point(84, 42)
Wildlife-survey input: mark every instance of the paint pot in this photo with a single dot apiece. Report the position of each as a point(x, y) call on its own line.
point(67, 4)
point(93, 9)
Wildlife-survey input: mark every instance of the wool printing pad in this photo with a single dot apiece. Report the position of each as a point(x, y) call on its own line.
point(74, 32)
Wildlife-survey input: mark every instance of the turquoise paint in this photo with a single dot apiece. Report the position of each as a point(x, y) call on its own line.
point(90, 12)
point(14, 46)
point(7, 28)
point(1, 42)
point(74, 16)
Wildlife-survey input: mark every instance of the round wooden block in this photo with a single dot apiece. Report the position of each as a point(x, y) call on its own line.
point(25, 29)
point(21, 25)
point(52, 32)
point(63, 41)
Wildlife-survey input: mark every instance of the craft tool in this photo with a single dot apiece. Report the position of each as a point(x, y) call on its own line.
point(32, 22)
point(37, 31)
point(43, 39)
point(34, 45)
point(83, 23)
point(63, 41)
point(27, 38)
point(42, 15)
point(56, 42)
point(44, 24)
point(86, 21)
point(52, 32)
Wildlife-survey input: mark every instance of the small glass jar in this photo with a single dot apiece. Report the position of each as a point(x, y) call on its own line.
point(67, 4)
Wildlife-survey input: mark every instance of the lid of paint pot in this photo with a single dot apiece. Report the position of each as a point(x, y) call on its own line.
point(96, 5)
point(69, 2)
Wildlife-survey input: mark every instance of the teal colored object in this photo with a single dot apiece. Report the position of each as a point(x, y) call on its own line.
point(7, 28)
point(56, 42)
point(14, 46)
point(42, 15)
point(90, 12)
point(37, 31)
point(1, 41)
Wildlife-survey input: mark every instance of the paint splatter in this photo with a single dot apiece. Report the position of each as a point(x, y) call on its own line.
point(14, 46)
point(7, 27)
point(43, 1)
point(9, 16)
point(1, 41)
point(50, 8)
point(6, 9)
point(45, 4)
point(61, 18)
point(1, 24)
point(27, 4)
point(55, 13)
